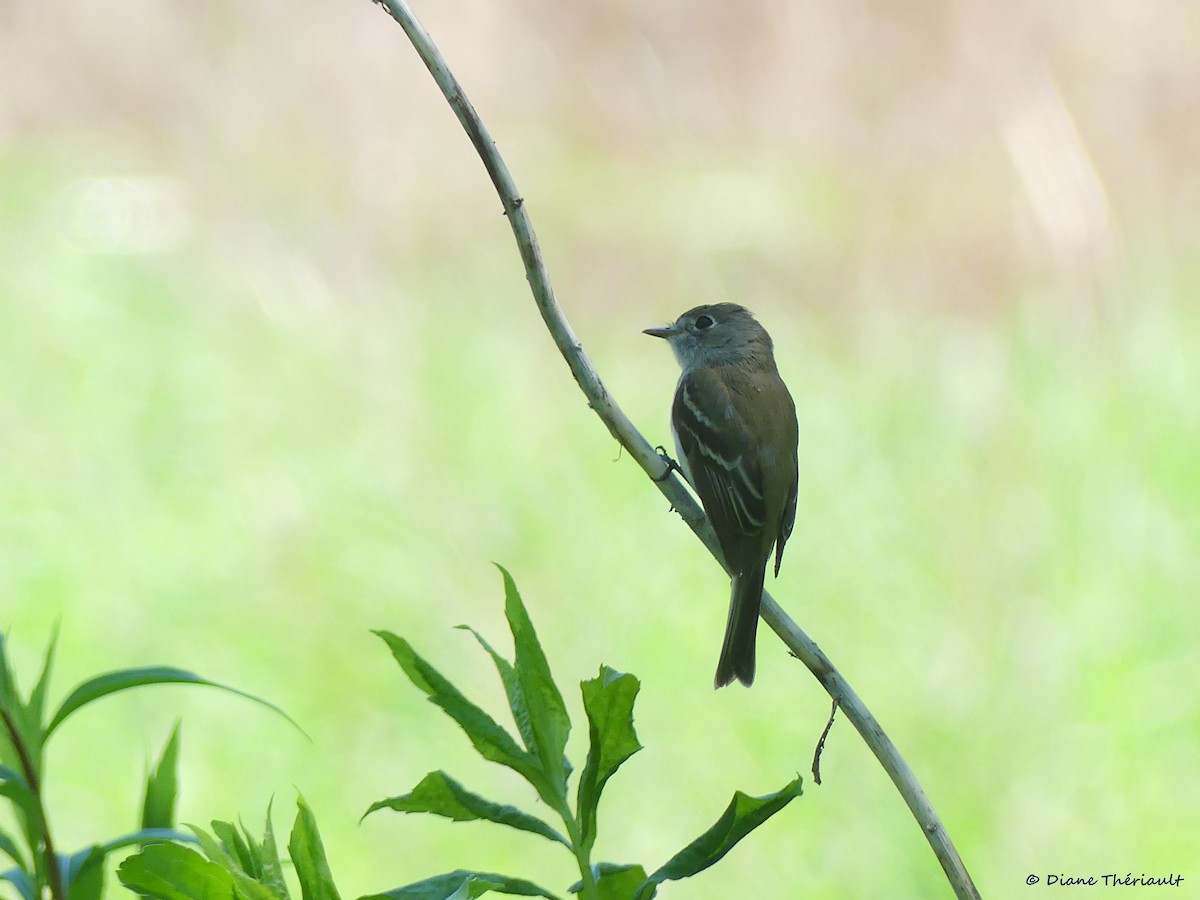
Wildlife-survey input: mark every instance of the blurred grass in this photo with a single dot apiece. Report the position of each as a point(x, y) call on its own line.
point(270, 384)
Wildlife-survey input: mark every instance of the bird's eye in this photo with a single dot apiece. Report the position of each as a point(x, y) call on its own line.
point(704, 322)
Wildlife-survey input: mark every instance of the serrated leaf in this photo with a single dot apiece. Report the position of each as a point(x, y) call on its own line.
point(443, 887)
point(742, 816)
point(162, 785)
point(489, 738)
point(124, 679)
point(439, 794)
point(173, 872)
point(614, 881)
point(308, 856)
point(548, 717)
point(608, 701)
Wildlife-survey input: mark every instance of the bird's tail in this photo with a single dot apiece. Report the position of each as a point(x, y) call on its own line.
point(737, 652)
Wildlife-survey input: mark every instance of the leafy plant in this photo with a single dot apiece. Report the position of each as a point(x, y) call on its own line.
point(543, 725)
point(232, 864)
point(25, 729)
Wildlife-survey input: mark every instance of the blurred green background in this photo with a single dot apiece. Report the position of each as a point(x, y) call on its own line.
point(272, 378)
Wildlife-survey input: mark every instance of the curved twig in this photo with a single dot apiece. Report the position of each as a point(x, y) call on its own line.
point(800, 644)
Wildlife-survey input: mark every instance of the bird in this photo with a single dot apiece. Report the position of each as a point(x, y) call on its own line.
point(734, 425)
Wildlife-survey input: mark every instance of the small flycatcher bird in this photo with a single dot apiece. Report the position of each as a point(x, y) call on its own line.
point(735, 432)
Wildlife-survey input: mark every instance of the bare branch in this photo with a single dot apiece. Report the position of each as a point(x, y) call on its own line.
point(801, 646)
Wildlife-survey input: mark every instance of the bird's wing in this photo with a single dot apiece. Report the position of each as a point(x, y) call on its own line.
point(720, 453)
point(785, 525)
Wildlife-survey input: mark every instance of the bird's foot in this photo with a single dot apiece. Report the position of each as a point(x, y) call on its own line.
point(671, 465)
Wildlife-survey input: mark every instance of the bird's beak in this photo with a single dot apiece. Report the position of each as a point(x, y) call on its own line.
point(669, 331)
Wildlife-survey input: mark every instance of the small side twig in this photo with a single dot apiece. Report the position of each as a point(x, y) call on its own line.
point(619, 425)
point(816, 766)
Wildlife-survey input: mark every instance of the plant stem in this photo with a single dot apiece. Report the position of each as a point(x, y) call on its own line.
point(40, 828)
point(582, 856)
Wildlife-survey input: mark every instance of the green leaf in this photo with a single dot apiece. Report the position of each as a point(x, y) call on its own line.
point(608, 700)
point(267, 855)
point(173, 872)
point(743, 815)
point(548, 717)
point(308, 856)
point(444, 887)
point(620, 882)
point(113, 682)
point(9, 848)
point(476, 887)
point(615, 882)
point(246, 887)
point(441, 795)
point(15, 788)
point(9, 697)
point(145, 836)
point(13, 785)
point(214, 850)
point(20, 879)
point(488, 737)
point(162, 784)
point(512, 689)
point(237, 850)
point(83, 874)
point(8, 752)
point(37, 700)
point(236, 855)
point(18, 729)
